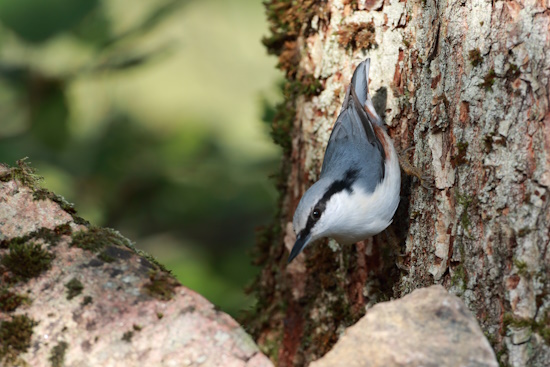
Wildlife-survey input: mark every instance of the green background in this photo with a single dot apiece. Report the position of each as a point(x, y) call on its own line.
point(148, 116)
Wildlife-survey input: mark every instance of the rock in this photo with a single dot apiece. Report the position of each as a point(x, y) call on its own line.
point(428, 327)
point(72, 294)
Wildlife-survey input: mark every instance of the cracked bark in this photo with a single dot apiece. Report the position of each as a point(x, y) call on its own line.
point(467, 87)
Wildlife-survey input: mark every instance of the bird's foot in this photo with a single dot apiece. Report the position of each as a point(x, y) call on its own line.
point(403, 267)
point(426, 180)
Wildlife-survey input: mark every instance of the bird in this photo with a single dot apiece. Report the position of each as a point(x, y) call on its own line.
point(358, 189)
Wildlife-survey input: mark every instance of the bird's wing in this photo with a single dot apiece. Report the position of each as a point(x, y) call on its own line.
point(353, 143)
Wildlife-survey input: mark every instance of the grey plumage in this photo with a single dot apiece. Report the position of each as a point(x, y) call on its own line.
point(358, 189)
point(347, 146)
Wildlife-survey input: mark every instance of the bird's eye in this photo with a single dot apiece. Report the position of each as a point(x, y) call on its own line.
point(316, 214)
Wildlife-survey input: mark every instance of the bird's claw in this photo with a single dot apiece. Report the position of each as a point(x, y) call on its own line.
point(425, 179)
point(402, 267)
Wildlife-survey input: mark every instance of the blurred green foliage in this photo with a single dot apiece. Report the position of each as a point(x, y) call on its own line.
point(37, 20)
point(148, 119)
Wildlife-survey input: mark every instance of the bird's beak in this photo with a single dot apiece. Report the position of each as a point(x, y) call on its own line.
point(300, 244)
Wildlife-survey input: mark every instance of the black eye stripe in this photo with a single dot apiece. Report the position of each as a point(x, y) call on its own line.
point(337, 186)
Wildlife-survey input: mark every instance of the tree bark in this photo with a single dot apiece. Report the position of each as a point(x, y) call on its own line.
point(466, 84)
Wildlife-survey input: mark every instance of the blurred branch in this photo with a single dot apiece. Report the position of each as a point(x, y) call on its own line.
point(109, 54)
point(128, 61)
point(147, 25)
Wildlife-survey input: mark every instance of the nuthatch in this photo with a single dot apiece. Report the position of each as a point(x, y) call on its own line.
point(358, 191)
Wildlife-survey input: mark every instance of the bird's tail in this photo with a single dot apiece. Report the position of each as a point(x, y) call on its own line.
point(360, 82)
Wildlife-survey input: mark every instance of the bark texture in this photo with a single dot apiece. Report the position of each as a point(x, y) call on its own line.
point(466, 84)
point(76, 295)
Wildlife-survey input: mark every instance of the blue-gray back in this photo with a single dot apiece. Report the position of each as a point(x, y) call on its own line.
point(353, 143)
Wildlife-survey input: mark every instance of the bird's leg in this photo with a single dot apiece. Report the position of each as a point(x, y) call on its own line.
point(402, 267)
point(425, 179)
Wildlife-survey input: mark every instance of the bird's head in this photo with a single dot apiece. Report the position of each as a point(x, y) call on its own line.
point(322, 211)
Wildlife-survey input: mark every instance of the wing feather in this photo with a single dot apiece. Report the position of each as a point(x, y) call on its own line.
point(353, 143)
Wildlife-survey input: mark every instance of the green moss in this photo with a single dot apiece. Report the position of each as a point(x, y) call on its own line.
point(53, 236)
point(86, 301)
point(490, 337)
point(501, 355)
point(354, 4)
point(74, 288)
point(358, 36)
point(57, 354)
point(95, 239)
point(43, 194)
point(15, 337)
point(459, 277)
point(488, 80)
point(161, 285)
point(50, 236)
point(307, 85)
point(9, 301)
point(282, 126)
point(475, 57)
point(465, 201)
point(270, 346)
point(521, 267)
point(510, 320)
point(127, 336)
point(465, 219)
point(540, 327)
point(147, 256)
point(462, 146)
point(103, 256)
point(281, 117)
point(23, 173)
point(287, 18)
point(544, 331)
point(26, 260)
point(462, 252)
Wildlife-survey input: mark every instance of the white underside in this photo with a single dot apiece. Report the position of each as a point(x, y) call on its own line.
point(361, 215)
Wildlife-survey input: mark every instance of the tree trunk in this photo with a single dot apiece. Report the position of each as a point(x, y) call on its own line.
point(466, 84)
